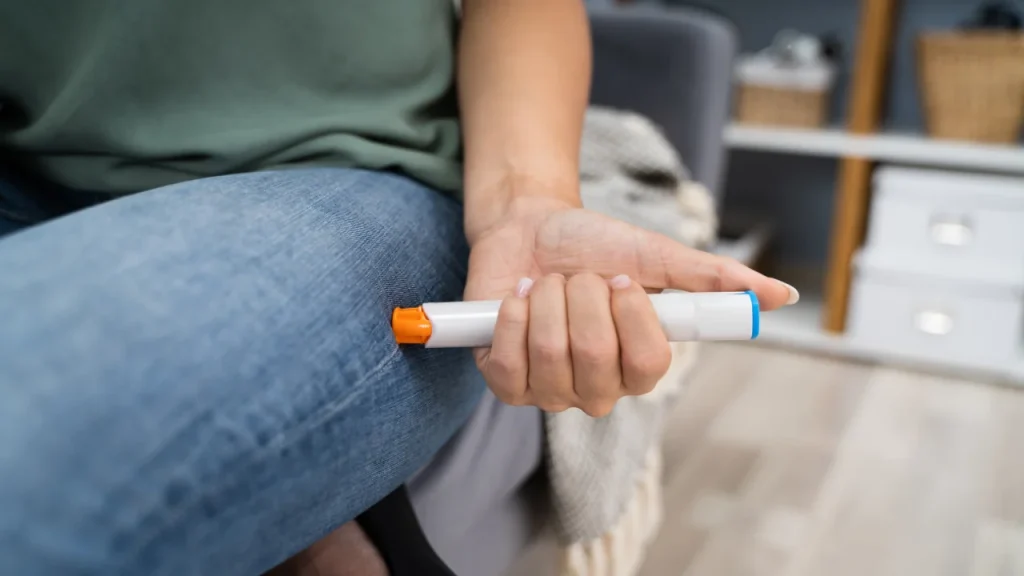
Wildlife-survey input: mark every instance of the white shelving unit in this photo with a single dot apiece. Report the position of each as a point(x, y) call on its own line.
point(899, 148)
point(800, 326)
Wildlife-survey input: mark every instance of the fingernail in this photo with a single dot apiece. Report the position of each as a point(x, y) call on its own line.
point(523, 287)
point(621, 281)
point(794, 296)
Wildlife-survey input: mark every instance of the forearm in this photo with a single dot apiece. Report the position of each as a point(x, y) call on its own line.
point(524, 78)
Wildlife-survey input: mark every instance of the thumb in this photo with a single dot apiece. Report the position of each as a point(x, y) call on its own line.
point(665, 263)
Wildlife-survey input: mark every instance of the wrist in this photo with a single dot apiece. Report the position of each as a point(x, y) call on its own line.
point(516, 195)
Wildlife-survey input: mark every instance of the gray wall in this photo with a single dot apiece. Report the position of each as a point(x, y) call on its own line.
point(797, 191)
point(759, 20)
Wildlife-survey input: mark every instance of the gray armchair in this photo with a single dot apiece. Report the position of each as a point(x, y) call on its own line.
point(474, 500)
point(675, 67)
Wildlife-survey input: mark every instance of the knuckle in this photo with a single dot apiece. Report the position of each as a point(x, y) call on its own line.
point(710, 275)
point(553, 407)
point(640, 385)
point(584, 280)
point(649, 365)
point(552, 390)
point(503, 367)
point(661, 360)
point(510, 397)
point(549, 350)
point(718, 272)
point(598, 408)
point(556, 279)
point(507, 383)
point(514, 311)
point(597, 389)
point(595, 350)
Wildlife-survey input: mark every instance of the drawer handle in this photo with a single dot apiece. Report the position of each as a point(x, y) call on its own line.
point(934, 322)
point(951, 231)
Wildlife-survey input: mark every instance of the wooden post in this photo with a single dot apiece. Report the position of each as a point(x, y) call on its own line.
point(867, 96)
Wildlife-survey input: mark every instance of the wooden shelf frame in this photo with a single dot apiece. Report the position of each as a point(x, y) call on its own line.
point(868, 89)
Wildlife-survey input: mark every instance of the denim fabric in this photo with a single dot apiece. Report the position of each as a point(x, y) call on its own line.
point(201, 379)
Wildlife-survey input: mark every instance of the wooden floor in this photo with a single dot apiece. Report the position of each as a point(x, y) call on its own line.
point(792, 465)
point(785, 464)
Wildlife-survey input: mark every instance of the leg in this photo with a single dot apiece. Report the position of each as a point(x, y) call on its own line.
point(201, 379)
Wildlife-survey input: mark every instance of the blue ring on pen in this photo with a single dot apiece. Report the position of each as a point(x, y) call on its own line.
point(755, 315)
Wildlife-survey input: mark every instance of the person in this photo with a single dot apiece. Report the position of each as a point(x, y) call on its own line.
point(211, 208)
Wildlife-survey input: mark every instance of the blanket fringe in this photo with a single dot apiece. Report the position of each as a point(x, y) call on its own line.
point(621, 550)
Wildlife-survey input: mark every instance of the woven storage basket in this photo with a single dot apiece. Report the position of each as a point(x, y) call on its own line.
point(972, 84)
point(773, 92)
point(781, 106)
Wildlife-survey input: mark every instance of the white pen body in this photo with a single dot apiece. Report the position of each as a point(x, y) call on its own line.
point(684, 317)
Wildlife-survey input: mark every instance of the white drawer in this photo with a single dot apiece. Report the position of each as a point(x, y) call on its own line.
point(936, 220)
point(936, 321)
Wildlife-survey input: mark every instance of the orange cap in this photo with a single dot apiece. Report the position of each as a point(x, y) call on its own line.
point(411, 325)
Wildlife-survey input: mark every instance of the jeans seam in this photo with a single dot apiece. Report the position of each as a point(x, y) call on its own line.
point(286, 437)
point(171, 518)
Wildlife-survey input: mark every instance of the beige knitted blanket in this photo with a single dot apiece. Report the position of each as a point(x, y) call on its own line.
point(605, 474)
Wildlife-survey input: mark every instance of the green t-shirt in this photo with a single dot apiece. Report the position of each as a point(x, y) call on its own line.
point(126, 95)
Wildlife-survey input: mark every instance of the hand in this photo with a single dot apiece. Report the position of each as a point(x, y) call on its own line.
point(576, 328)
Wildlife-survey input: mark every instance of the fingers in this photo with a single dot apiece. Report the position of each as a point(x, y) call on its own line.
point(586, 242)
point(609, 247)
point(550, 378)
point(668, 264)
point(645, 352)
point(581, 343)
point(594, 344)
point(505, 363)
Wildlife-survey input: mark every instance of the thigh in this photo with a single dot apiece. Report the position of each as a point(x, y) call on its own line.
point(202, 379)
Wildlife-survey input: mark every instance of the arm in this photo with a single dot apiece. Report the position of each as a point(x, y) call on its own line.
point(524, 77)
point(575, 328)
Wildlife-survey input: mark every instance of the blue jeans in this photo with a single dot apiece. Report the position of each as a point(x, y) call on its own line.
point(201, 379)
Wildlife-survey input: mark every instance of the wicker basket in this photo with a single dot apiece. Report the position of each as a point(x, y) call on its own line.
point(972, 84)
point(779, 93)
point(781, 106)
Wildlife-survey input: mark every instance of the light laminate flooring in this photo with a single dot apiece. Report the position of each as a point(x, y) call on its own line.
point(779, 463)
